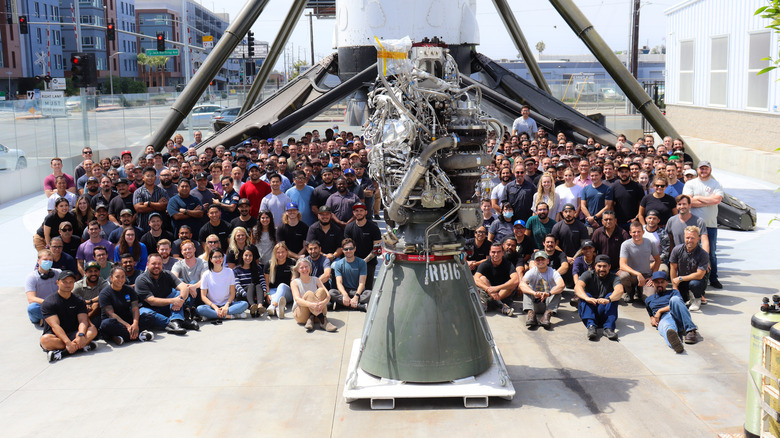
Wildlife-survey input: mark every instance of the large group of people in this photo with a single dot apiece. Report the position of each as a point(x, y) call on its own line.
point(266, 227)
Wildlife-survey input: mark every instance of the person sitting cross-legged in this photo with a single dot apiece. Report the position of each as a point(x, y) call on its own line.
point(66, 327)
point(497, 280)
point(668, 312)
point(541, 287)
point(350, 273)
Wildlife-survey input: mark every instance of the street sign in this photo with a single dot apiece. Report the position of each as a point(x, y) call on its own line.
point(53, 103)
point(57, 83)
point(30, 95)
point(167, 52)
point(208, 41)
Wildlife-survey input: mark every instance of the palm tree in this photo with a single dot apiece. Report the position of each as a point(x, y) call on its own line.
point(159, 62)
point(144, 61)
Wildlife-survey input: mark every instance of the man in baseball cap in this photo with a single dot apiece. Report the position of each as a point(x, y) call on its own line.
point(599, 292)
point(541, 287)
point(66, 327)
point(668, 312)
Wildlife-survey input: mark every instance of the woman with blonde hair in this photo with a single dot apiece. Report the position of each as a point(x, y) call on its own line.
point(546, 193)
point(278, 274)
point(310, 298)
point(237, 243)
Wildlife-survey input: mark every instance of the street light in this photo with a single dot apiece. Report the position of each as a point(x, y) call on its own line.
point(111, 71)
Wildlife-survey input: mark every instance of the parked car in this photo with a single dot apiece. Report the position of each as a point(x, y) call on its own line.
point(12, 159)
point(201, 116)
point(224, 117)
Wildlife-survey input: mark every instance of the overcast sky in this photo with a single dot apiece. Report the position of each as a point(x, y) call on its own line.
point(537, 18)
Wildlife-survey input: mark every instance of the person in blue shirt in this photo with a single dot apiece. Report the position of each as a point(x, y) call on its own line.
point(668, 312)
point(351, 273)
point(185, 209)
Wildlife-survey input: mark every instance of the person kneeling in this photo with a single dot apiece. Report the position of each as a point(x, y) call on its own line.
point(541, 288)
point(310, 298)
point(218, 291)
point(497, 280)
point(668, 312)
point(66, 326)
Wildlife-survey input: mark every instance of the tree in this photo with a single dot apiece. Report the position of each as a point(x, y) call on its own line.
point(772, 13)
point(540, 46)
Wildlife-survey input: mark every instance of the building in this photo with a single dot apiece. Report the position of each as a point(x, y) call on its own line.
point(10, 53)
point(42, 47)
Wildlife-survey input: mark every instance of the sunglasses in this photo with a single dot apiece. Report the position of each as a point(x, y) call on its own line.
point(66, 229)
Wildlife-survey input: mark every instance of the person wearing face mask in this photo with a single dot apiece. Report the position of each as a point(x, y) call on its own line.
point(503, 226)
point(40, 283)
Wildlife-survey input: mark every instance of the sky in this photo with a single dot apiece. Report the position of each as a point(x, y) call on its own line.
point(537, 18)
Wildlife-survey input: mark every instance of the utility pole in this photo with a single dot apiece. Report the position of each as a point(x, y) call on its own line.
point(82, 90)
point(634, 50)
point(311, 36)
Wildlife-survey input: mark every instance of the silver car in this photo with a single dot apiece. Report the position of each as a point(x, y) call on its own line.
point(12, 159)
point(201, 116)
point(224, 117)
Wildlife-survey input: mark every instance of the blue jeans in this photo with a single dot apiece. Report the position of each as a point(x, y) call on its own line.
point(678, 318)
point(158, 320)
point(34, 313)
point(712, 234)
point(600, 315)
point(281, 291)
point(695, 287)
point(234, 309)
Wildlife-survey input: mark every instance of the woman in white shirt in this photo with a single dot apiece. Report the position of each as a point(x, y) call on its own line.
point(310, 298)
point(218, 291)
point(568, 192)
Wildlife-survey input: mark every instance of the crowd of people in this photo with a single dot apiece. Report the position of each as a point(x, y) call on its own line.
point(171, 239)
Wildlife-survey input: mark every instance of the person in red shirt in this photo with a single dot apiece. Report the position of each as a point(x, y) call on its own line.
point(254, 189)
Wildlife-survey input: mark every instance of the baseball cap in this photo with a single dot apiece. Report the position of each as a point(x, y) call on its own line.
point(126, 211)
point(359, 205)
point(324, 209)
point(653, 213)
point(603, 258)
point(657, 275)
point(155, 214)
point(541, 254)
point(587, 243)
point(251, 166)
point(126, 153)
point(101, 206)
point(122, 181)
point(92, 179)
point(291, 206)
point(244, 201)
point(201, 175)
point(65, 274)
point(690, 172)
point(703, 164)
point(519, 222)
point(349, 171)
point(624, 166)
point(569, 206)
point(92, 264)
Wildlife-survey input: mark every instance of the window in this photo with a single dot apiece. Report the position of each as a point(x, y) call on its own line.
point(758, 85)
point(686, 72)
point(37, 10)
point(719, 70)
point(56, 37)
point(38, 37)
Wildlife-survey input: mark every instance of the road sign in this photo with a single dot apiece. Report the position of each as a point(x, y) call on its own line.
point(208, 41)
point(30, 95)
point(167, 52)
point(53, 103)
point(57, 83)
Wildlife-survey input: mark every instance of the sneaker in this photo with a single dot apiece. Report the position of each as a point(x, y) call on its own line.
point(91, 346)
point(54, 355)
point(715, 283)
point(271, 310)
point(242, 315)
point(190, 324)
point(253, 310)
point(326, 325)
point(118, 340)
point(280, 310)
point(674, 340)
point(376, 217)
point(145, 336)
point(309, 326)
point(530, 319)
point(703, 300)
point(506, 310)
point(695, 304)
point(260, 310)
point(363, 308)
point(610, 334)
point(544, 321)
point(174, 327)
point(592, 333)
point(691, 337)
point(629, 298)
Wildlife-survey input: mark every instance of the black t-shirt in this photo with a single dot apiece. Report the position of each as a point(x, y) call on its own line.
point(627, 198)
point(147, 287)
point(222, 230)
point(569, 236)
point(151, 242)
point(248, 225)
point(99, 198)
point(66, 262)
point(66, 310)
point(364, 237)
point(230, 257)
point(526, 247)
point(293, 237)
point(53, 220)
point(176, 250)
point(121, 301)
point(597, 287)
point(71, 248)
point(478, 253)
point(320, 195)
point(557, 259)
point(283, 273)
point(330, 240)
point(496, 275)
point(663, 206)
point(118, 203)
point(515, 258)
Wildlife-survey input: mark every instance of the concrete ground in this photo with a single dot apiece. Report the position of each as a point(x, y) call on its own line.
point(271, 378)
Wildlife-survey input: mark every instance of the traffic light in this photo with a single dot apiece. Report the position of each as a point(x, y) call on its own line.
point(110, 32)
point(23, 25)
point(250, 44)
point(160, 41)
point(83, 70)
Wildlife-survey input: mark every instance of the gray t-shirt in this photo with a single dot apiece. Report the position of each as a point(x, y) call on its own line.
point(638, 256)
point(697, 187)
point(42, 287)
point(675, 227)
point(187, 274)
point(542, 282)
point(689, 262)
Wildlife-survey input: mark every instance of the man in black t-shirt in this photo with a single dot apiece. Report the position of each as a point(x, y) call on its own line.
point(327, 233)
point(570, 232)
point(627, 195)
point(599, 292)
point(365, 233)
point(215, 226)
point(245, 218)
point(66, 327)
point(156, 232)
point(497, 280)
point(163, 297)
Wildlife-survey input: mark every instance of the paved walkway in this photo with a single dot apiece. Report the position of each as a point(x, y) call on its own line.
point(269, 377)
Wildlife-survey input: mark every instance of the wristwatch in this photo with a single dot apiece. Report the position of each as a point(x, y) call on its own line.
point(81, 335)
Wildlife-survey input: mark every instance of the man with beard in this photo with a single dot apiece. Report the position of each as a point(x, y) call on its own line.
point(244, 218)
point(85, 251)
point(627, 195)
point(149, 199)
point(301, 195)
point(228, 203)
point(270, 169)
point(569, 232)
point(166, 183)
point(668, 313)
point(164, 250)
point(520, 194)
point(127, 263)
point(341, 203)
point(163, 296)
point(599, 293)
point(688, 265)
point(539, 225)
point(105, 194)
point(216, 226)
point(88, 289)
point(185, 209)
point(323, 191)
point(609, 238)
point(185, 233)
point(320, 266)
point(156, 232)
point(327, 233)
point(497, 280)
point(66, 327)
point(123, 200)
point(505, 177)
point(635, 268)
point(255, 189)
point(596, 198)
point(676, 225)
point(277, 200)
point(125, 222)
point(366, 235)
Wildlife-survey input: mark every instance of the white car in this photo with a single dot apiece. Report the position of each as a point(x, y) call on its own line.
point(12, 159)
point(201, 116)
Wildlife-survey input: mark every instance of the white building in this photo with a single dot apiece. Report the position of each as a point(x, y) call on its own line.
point(714, 50)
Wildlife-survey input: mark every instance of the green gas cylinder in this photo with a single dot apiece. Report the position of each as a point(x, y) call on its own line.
point(761, 323)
